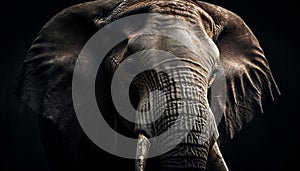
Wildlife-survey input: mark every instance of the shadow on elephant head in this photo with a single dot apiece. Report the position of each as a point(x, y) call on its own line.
point(188, 68)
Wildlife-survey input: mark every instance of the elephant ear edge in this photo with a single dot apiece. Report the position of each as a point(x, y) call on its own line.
point(249, 80)
point(45, 77)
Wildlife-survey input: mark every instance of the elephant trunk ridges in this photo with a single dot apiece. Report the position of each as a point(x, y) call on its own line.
point(183, 98)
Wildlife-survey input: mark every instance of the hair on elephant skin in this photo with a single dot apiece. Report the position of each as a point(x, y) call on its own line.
point(221, 49)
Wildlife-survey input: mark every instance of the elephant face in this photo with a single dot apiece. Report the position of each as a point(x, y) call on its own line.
point(186, 49)
point(172, 88)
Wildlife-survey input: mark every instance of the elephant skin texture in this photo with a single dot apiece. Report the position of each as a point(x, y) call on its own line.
point(216, 48)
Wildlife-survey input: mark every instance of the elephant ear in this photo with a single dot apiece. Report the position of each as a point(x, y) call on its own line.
point(249, 81)
point(45, 80)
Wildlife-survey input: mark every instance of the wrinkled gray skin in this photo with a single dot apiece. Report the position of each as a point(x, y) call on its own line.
point(47, 71)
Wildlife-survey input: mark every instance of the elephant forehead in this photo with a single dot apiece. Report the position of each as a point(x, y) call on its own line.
point(180, 21)
point(179, 27)
point(181, 44)
point(186, 9)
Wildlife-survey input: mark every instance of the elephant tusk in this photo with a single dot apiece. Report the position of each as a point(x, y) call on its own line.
point(143, 146)
point(217, 159)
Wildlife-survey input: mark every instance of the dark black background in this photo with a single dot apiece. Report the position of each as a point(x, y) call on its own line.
point(268, 143)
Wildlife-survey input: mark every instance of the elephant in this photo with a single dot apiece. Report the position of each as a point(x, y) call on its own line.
point(215, 48)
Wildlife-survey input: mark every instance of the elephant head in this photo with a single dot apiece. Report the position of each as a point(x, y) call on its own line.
point(197, 48)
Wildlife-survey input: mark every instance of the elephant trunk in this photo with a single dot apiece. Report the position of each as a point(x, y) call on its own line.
point(174, 103)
